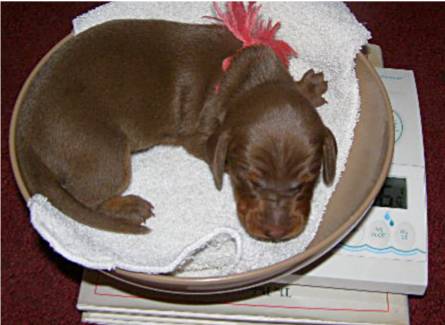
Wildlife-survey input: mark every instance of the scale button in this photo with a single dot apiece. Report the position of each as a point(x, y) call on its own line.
point(404, 236)
point(378, 234)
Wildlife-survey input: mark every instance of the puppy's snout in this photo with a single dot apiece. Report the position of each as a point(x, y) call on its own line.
point(282, 224)
point(277, 216)
point(277, 224)
point(275, 232)
point(271, 220)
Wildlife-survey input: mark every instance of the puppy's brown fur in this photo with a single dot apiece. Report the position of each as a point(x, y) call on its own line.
point(126, 86)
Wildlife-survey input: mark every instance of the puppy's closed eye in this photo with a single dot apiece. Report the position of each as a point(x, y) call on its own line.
point(256, 180)
point(295, 188)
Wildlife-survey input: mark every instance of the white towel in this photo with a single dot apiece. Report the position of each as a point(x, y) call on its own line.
point(196, 231)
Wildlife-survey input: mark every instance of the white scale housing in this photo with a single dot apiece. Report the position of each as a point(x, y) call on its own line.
point(388, 250)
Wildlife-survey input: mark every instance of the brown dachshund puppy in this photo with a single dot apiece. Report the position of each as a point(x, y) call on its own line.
point(128, 85)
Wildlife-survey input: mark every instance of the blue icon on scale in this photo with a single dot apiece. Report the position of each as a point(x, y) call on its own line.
point(389, 219)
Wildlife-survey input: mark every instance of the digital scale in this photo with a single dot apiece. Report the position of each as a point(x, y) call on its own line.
point(388, 251)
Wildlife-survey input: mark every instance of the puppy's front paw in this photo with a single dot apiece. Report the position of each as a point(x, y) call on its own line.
point(313, 86)
point(131, 209)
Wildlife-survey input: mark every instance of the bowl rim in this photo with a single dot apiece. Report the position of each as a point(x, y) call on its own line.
point(227, 283)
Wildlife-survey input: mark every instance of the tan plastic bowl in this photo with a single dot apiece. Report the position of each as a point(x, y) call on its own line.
point(366, 169)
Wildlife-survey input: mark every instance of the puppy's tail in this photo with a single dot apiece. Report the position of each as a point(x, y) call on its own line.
point(38, 178)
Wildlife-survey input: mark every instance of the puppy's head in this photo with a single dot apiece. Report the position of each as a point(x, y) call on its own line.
point(273, 148)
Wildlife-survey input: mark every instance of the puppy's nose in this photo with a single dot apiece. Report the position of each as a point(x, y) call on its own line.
point(275, 232)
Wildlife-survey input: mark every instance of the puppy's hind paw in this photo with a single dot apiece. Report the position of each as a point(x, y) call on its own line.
point(130, 209)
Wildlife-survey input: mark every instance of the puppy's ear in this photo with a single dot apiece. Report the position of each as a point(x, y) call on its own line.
point(329, 157)
point(217, 147)
point(312, 86)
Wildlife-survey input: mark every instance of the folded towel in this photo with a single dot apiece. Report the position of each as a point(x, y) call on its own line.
point(196, 231)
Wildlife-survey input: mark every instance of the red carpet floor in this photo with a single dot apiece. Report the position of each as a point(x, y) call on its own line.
point(40, 287)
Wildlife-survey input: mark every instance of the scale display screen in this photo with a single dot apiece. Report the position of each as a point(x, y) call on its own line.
point(392, 194)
